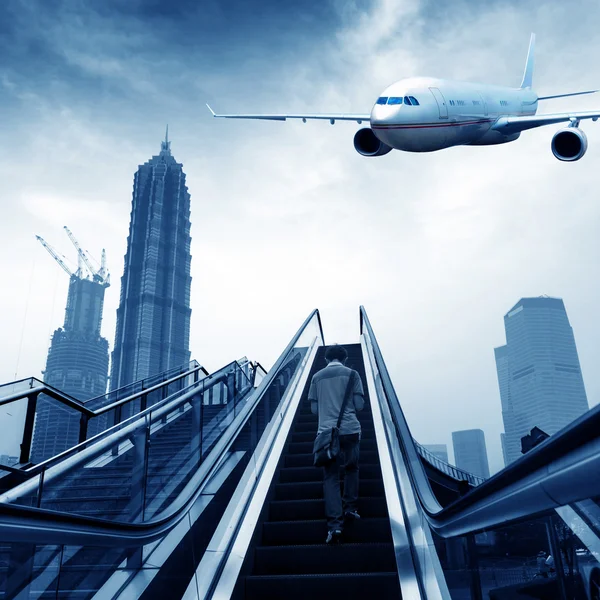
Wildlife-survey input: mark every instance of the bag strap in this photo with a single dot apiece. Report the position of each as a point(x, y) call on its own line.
point(346, 397)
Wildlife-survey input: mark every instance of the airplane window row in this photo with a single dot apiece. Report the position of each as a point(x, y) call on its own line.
point(410, 100)
point(463, 103)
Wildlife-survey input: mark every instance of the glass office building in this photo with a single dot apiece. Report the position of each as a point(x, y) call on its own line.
point(153, 318)
point(470, 453)
point(438, 450)
point(539, 375)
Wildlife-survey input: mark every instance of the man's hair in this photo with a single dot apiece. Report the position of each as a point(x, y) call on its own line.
point(336, 353)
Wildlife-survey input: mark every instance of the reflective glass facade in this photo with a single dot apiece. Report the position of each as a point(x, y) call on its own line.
point(153, 318)
point(539, 375)
point(470, 453)
point(77, 365)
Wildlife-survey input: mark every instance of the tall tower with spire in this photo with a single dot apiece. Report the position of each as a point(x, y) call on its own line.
point(153, 318)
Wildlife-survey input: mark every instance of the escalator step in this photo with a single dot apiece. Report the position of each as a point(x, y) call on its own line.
point(368, 445)
point(293, 474)
point(314, 489)
point(349, 586)
point(306, 460)
point(309, 436)
point(281, 533)
point(298, 510)
point(301, 427)
point(320, 558)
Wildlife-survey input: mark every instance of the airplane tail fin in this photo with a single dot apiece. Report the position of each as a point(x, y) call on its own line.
point(528, 73)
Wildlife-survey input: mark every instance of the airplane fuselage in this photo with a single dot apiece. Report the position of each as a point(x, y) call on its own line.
point(447, 113)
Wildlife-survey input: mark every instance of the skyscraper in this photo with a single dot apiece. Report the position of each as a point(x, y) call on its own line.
point(153, 318)
point(77, 362)
point(538, 370)
point(438, 450)
point(470, 453)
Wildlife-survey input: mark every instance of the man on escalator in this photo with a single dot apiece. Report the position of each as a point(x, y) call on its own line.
point(326, 395)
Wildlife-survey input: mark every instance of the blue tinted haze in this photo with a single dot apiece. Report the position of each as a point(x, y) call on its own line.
point(287, 216)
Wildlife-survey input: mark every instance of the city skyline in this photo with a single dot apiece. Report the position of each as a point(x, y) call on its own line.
point(435, 247)
point(539, 374)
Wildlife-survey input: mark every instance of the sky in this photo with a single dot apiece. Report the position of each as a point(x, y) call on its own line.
point(287, 217)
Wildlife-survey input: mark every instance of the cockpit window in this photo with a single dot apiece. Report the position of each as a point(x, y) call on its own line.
point(414, 101)
point(407, 100)
point(382, 100)
point(394, 100)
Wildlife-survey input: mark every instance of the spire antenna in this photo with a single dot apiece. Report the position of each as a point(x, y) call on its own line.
point(165, 147)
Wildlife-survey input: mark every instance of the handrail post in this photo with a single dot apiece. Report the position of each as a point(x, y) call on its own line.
point(25, 454)
point(141, 441)
point(83, 427)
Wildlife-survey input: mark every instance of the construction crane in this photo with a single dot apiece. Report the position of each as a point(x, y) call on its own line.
point(101, 276)
point(103, 272)
point(55, 256)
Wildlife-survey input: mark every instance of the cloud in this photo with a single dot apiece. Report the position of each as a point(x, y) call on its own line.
point(287, 216)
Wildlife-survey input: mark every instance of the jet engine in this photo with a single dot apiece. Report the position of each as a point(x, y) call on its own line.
point(368, 144)
point(569, 144)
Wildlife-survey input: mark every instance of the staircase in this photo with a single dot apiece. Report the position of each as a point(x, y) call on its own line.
point(288, 557)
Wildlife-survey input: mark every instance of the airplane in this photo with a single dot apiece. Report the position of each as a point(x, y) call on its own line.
point(425, 114)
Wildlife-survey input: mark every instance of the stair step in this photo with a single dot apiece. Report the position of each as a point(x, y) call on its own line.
point(349, 586)
point(280, 533)
point(312, 509)
point(320, 558)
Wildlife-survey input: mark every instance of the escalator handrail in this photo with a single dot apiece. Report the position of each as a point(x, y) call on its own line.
point(215, 378)
point(575, 446)
point(111, 438)
point(39, 525)
point(252, 478)
point(78, 405)
point(192, 364)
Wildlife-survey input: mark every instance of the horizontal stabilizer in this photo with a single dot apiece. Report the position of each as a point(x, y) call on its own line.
point(567, 95)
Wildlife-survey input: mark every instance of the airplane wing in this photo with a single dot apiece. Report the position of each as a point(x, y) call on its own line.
point(331, 117)
point(508, 125)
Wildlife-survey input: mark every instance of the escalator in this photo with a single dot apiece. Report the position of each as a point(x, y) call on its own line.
point(135, 505)
point(210, 493)
point(288, 556)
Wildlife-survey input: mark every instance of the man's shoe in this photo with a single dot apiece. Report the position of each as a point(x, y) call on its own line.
point(333, 537)
point(351, 515)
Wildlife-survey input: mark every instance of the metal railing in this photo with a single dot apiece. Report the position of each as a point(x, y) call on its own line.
point(44, 526)
point(211, 404)
point(147, 394)
point(447, 468)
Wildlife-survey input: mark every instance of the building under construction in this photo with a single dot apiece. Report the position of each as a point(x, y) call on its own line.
point(77, 362)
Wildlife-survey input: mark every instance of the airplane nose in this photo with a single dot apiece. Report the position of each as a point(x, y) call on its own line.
point(382, 113)
point(376, 114)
